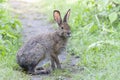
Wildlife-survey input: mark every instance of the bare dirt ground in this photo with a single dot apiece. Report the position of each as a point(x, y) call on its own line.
point(32, 20)
point(35, 23)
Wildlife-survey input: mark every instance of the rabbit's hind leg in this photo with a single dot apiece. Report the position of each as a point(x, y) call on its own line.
point(30, 70)
point(41, 70)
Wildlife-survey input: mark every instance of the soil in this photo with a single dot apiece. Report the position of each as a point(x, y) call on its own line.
point(34, 22)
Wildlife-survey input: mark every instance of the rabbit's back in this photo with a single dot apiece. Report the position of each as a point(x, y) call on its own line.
point(34, 50)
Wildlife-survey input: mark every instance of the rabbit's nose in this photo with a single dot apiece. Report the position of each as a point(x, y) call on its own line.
point(69, 34)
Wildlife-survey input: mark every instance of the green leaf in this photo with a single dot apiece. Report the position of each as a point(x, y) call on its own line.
point(116, 1)
point(93, 28)
point(2, 50)
point(113, 17)
point(11, 36)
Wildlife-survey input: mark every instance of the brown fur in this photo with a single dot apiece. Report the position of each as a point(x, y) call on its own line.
point(45, 46)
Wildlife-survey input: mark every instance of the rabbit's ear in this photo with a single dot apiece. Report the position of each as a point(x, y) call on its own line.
point(57, 17)
point(66, 17)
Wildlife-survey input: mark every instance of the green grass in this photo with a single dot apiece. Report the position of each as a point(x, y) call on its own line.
point(10, 41)
point(8, 69)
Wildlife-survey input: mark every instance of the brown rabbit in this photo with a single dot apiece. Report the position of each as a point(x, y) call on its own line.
point(45, 46)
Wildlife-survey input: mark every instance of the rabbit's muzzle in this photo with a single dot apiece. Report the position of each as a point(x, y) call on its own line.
point(67, 34)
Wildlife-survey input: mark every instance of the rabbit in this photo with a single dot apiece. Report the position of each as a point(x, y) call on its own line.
point(45, 46)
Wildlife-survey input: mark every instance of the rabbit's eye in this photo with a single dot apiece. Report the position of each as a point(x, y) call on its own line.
point(61, 27)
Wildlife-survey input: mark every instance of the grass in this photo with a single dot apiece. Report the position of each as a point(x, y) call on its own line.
point(10, 41)
point(8, 69)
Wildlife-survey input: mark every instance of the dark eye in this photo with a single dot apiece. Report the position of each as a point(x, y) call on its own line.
point(61, 27)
